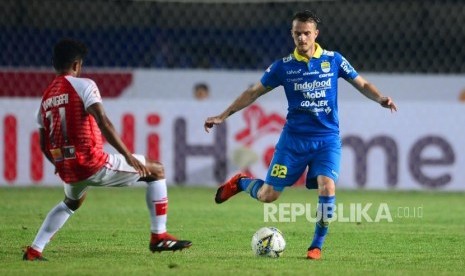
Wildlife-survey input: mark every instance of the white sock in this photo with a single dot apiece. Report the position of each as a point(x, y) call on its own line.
point(55, 219)
point(157, 203)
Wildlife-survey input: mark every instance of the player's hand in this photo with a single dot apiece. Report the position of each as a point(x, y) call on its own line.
point(136, 164)
point(387, 102)
point(211, 121)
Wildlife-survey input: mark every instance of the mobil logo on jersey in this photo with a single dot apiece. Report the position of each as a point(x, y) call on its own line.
point(313, 85)
point(314, 95)
point(256, 140)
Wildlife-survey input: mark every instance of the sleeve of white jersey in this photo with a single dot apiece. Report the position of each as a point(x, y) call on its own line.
point(87, 90)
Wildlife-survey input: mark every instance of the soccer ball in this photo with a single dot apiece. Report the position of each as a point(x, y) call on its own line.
point(268, 242)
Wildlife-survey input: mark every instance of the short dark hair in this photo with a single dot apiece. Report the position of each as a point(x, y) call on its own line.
point(306, 15)
point(201, 85)
point(65, 52)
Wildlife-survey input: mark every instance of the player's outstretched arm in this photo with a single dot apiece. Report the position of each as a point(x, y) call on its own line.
point(370, 91)
point(109, 132)
point(245, 99)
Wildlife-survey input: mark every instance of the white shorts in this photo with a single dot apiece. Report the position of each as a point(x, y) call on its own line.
point(116, 173)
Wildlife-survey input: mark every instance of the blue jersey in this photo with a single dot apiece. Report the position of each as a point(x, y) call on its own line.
point(311, 90)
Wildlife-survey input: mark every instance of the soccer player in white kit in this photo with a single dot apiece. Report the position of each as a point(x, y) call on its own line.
point(71, 122)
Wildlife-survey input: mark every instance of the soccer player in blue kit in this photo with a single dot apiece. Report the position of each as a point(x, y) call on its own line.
point(310, 137)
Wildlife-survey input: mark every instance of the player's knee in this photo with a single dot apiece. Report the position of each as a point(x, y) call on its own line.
point(268, 196)
point(74, 204)
point(326, 185)
point(156, 169)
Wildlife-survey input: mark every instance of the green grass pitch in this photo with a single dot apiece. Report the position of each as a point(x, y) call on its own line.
point(109, 235)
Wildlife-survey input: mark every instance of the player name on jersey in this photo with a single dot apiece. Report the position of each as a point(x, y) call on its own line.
point(55, 101)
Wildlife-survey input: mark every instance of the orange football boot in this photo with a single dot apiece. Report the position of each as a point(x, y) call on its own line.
point(314, 253)
point(229, 189)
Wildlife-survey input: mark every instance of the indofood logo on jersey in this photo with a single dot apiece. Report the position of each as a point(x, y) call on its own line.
point(310, 86)
point(325, 66)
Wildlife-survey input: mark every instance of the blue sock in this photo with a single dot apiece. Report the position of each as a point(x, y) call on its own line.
point(251, 186)
point(325, 211)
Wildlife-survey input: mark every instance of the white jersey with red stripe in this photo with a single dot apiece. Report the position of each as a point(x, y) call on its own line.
point(73, 137)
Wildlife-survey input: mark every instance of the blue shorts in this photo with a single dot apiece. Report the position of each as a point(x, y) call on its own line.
point(295, 152)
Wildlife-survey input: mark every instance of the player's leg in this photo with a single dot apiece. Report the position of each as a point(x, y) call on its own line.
point(118, 173)
point(326, 203)
point(268, 193)
point(157, 203)
point(56, 218)
point(325, 167)
point(263, 191)
point(285, 168)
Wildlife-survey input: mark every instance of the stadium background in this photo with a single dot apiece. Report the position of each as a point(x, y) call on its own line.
point(138, 49)
point(377, 36)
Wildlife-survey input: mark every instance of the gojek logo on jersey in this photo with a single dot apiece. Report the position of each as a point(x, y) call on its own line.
point(310, 86)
